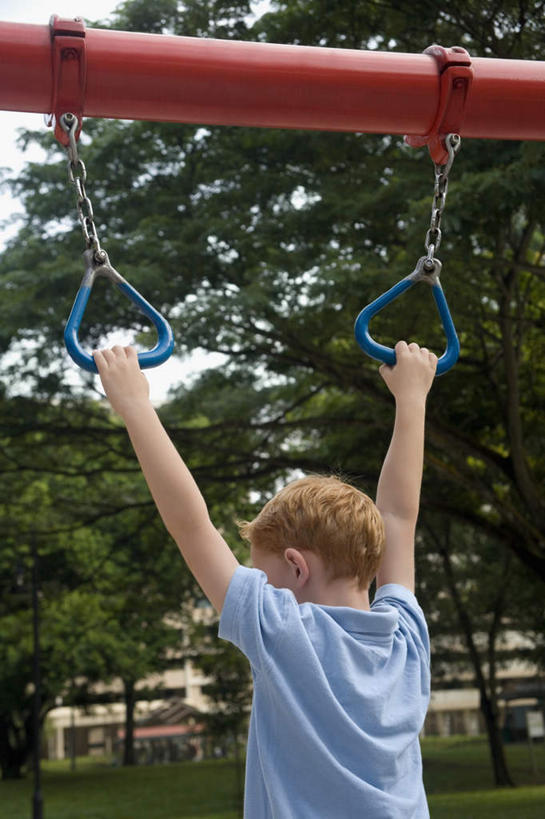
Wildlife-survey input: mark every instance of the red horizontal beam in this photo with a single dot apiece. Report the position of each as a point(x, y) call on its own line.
point(217, 82)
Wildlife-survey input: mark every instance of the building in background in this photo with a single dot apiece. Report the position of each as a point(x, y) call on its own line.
point(172, 727)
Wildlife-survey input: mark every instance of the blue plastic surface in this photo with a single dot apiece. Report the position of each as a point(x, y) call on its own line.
point(387, 354)
point(151, 358)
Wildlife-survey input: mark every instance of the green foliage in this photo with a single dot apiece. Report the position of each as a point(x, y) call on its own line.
point(105, 565)
point(496, 29)
point(193, 18)
point(499, 600)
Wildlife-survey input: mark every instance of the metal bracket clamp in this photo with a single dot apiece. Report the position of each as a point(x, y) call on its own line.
point(455, 78)
point(69, 67)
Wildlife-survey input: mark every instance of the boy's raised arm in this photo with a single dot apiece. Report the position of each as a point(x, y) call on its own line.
point(176, 495)
point(398, 492)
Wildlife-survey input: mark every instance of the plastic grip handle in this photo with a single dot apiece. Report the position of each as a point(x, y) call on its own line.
point(386, 354)
point(151, 358)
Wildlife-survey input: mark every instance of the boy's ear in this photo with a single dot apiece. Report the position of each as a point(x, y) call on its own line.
point(298, 566)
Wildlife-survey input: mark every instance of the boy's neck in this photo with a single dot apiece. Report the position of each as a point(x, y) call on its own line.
point(319, 588)
point(338, 593)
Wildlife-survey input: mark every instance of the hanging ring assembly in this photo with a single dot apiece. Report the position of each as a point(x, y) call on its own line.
point(97, 264)
point(69, 70)
point(427, 269)
point(443, 144)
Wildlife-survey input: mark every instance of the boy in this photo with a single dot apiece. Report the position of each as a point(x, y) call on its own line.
point(341, 688)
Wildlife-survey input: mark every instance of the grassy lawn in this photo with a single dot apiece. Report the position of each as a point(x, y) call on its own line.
point(459, 782)
point(456, 772)
point(463, 764)
point(100, 791)
point(521, 803)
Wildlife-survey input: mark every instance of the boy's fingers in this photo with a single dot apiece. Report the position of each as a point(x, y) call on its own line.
point(106, 357)
point(109, 356)
point(402, 347)
point(100, 361)
point(428, 356)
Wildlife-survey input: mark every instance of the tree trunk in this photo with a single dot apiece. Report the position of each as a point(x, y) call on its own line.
point(526, 484)
point(488, 705)
point(502, 777)
point(130, 701)
point(12, 758)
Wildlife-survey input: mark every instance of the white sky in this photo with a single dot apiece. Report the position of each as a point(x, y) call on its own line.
point(12, 158)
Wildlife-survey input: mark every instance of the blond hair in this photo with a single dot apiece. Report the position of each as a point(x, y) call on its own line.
point(327, 516)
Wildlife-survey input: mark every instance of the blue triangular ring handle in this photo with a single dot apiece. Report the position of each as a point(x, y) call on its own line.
point(386, 354)
point(94, 268)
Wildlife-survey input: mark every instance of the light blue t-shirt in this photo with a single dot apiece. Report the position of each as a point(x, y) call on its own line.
point(340, 696)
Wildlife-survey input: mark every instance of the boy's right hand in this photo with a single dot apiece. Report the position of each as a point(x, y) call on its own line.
point(124, 382)
point(412, 375)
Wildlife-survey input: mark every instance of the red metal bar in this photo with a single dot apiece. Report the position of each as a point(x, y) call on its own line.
point(215, 82)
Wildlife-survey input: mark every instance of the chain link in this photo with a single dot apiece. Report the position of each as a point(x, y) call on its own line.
point(77, 175)
point(433, 236)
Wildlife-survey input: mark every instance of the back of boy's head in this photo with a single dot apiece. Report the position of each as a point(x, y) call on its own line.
point(326, 516)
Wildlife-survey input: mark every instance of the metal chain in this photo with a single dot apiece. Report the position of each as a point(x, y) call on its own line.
point(433, 236)
point(77, 175)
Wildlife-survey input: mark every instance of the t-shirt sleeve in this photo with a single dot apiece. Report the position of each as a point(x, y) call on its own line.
point(254, 614)
point(411, 616)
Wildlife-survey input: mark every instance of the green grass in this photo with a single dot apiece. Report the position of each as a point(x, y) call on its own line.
point(457, 775)
point(463, 764)
point(520, 803)
point(97, 791)
point(460, 785)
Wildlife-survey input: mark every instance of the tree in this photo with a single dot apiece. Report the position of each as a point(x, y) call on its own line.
point(471, 609)
point(273, 252)
point(106, 570)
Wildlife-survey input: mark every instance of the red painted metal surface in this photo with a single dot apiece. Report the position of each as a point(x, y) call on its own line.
point(214, 82)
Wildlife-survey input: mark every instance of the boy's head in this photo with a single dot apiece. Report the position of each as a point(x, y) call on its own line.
point(327, 517)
